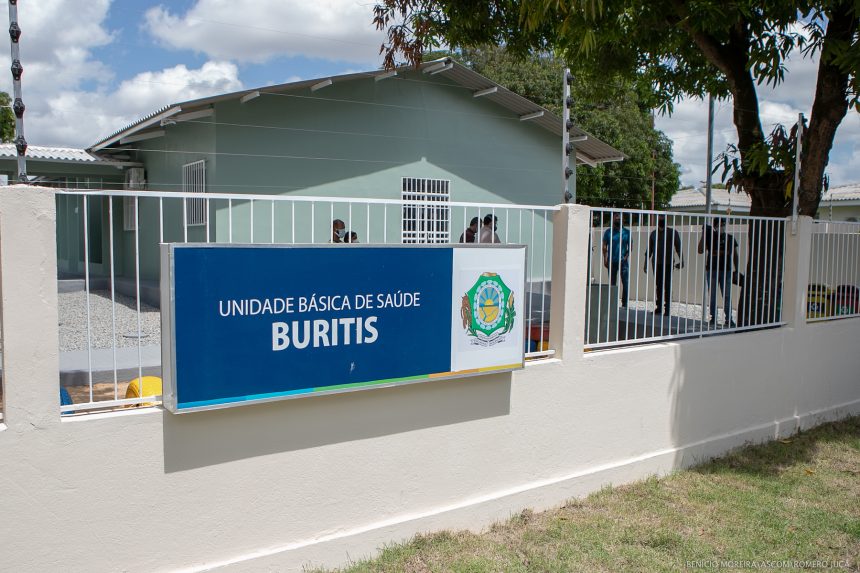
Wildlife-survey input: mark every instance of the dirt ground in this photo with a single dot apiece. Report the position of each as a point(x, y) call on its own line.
point(81, 394)
point(101, 392)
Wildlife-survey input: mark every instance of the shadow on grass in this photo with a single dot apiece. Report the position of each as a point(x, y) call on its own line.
point(772, 458)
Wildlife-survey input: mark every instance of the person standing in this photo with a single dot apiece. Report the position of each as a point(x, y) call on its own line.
point(617, 240)
point(663, 243)
point(721, 259)
point(488, 230)
point(468, 236)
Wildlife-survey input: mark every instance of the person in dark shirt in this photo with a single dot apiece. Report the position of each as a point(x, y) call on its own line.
point(468, 236)
point(721, 259)
point(663, 243)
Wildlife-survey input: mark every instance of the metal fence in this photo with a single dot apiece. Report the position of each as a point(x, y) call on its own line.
point(661, 275)
point(834, 271)
point(108, 264)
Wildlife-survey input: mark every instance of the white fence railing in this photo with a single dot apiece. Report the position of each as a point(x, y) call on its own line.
point(834, 271)
point(656, 275)
point(107, 247)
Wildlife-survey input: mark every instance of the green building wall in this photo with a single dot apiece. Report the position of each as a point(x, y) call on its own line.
point(353, 139)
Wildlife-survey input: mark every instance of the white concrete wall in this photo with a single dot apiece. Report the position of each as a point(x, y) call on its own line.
point(323, 479)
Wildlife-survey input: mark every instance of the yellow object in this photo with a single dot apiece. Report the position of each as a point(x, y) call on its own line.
point(151, 387)
point(818, 301)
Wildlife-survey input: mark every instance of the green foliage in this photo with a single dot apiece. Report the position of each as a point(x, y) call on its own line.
point(680, 49)
point(673, 43)
point(7, 119)
point(614, 111)
point(777, 156)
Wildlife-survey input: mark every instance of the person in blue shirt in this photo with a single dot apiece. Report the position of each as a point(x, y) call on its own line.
point(616, 255)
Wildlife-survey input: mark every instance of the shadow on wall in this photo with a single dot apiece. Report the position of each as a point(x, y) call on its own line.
point(207, 438)
point(731, 389)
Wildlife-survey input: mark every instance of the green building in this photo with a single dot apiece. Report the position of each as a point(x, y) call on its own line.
point(440, 133)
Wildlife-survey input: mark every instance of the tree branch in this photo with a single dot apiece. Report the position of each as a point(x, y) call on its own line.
point(731, 59)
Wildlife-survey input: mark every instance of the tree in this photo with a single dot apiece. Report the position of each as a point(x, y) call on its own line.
point(682, 49)
point(7, 119)
point(614, 113)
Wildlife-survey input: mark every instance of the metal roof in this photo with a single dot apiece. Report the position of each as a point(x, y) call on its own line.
point(57, 155)
point(590, 151)
point(695, 197)
point(849, 192)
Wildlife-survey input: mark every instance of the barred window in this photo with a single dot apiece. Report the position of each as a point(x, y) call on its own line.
point(194, 181)
point(426, 214)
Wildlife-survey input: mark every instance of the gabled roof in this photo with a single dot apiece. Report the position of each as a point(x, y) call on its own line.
point(57, 155)
point(589, 149)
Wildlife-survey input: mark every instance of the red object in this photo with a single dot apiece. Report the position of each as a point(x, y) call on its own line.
point(535, 332)
point(846, 300)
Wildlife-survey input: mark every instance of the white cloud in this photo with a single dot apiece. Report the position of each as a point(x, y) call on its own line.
point(150, 90)
point(79, 118)
point(56, 53)
point(328, 29)
point(688, 129)
point(688, 125)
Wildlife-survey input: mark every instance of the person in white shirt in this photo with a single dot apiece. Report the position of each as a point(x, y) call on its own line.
point(488, 230)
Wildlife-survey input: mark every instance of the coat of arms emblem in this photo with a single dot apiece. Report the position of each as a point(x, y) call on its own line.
point(488, 310)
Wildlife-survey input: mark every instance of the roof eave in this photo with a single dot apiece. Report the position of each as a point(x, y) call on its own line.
point(153, 119)
point(592, 152)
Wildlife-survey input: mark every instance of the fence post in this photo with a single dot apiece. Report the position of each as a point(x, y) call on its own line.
point(798, 249)
point(28, 302)
point(571, 231)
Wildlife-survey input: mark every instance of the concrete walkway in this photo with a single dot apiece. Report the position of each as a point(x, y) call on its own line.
point(643, 323)
point(74, 365)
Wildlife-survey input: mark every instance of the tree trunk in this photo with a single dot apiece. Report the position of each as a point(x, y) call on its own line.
point(828, 109)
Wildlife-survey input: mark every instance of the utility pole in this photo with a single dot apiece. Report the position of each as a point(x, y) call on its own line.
point(653, 163)
point(18, 105)
point(710, 164)
point(568, 150)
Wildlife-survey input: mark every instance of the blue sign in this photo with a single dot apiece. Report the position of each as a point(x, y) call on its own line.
point(255, 323)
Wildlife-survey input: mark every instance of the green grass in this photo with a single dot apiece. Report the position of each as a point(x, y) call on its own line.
point(795, 499)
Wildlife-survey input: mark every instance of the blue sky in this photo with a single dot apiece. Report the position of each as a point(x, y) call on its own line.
point(92, 67)
point(135, 50)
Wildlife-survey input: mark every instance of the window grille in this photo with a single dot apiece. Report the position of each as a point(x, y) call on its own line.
point(426, 214)
point(194, 181)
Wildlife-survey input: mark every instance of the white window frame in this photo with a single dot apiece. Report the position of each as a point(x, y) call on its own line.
point(425, 222)
point(194, 181)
